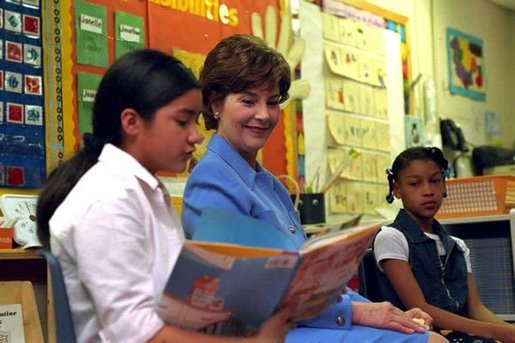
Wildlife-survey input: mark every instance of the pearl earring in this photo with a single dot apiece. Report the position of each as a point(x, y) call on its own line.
point(217, 116)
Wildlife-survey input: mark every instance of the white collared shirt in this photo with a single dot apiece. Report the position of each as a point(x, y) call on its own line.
point(117, 240)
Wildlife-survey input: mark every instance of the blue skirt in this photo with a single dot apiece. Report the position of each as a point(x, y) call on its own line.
point(358, 333)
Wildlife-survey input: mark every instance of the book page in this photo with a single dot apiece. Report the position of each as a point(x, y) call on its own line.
point(328, 263)
point(223, 294)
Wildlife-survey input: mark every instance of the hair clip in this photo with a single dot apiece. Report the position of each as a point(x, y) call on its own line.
point(446, 173)
point(389, 198)
point(389, 171)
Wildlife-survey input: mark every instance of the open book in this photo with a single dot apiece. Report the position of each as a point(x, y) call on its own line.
point(230, 289)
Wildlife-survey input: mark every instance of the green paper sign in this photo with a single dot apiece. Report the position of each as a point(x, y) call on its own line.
point(90, 26)
point(87, 85)
point(129, 33)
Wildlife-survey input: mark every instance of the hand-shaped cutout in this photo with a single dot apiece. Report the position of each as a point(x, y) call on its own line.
point(299, 89)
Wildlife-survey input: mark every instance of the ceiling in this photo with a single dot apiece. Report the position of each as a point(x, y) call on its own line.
point(508, 4)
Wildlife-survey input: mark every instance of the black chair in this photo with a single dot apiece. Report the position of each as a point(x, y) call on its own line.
point(368, 277)
point(65, 331)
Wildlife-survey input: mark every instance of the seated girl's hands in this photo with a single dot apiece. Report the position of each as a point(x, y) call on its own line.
point(275, 328)
point(386, 316)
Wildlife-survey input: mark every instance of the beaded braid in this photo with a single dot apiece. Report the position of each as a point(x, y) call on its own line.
point(413, 154)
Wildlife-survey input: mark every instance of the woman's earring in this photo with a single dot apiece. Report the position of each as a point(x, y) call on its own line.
point(216, 115)
point(444, 194)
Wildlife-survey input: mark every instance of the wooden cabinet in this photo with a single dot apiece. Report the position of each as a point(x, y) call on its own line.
point(26, 265)
point(491, 240)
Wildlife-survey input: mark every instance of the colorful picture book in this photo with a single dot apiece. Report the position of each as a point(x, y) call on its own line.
point(230, 289)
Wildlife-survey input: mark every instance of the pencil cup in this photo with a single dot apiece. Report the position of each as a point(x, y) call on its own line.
point(311, 208)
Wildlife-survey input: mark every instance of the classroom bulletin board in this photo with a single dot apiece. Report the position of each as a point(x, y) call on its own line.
point(85, 37)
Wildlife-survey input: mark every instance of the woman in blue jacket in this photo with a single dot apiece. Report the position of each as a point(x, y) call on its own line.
point(243, 84)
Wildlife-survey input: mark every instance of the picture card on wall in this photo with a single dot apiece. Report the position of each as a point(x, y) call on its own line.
point(369, 134)
point(367, 100)
point(338, 197)
point(334, 93)
point(353, 131)
point(330, 27)
point(87, 85)
point(336, 127)
point(91, 34)
point(351, 96)
point(129, 33)
point(354, 197)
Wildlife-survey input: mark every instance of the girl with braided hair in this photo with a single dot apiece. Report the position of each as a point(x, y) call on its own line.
point(421, 264)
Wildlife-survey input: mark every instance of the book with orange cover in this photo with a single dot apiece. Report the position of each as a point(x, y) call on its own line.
point(230, 289)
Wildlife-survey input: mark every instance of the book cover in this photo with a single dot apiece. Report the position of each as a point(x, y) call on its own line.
point(230, 289)
point(11, 324)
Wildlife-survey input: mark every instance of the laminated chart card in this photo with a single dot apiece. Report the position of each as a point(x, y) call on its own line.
point(338, 197)
point(366, 100)
point(90, 25)
point(334, 93)
point(354, 197)
point(336, 127)
point(129, 33)
point(383, 136)
point(330, 27)
point(369, 134)
point(352, 96)
point(348, 32)
point(87, 85)
point(369, 166)
point(353, 131)
point(381, 102)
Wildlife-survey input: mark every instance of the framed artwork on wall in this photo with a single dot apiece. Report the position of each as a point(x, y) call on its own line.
point(465, 59)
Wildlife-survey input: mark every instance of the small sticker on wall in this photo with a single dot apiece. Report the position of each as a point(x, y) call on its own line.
point(31, 3)
point(13, 82)
point(15, 176)
point(1, 112)
point(14, 113)
point(1, 18)
point(1, 49)
point(13, 21)
point(32, 55)
point(14, 52)
point(33, 115)
point(31, 25)
point(33, 85)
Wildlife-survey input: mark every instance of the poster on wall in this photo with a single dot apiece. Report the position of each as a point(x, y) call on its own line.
point(465, 59)
point(22, 131)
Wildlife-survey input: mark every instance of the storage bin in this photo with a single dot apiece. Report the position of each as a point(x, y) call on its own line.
point(478, 196)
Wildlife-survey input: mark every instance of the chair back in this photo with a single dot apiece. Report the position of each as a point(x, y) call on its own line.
point(368, 277)
point(65, 331)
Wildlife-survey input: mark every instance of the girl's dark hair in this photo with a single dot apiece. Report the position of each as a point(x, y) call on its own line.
point(412, 154)
point(143, 80)
point(239, 63)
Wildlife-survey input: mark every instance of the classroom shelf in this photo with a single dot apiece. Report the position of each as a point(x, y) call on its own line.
point(27, 265)
point(491, 240)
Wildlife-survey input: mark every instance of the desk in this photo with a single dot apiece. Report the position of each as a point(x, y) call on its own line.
point(491, 240)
